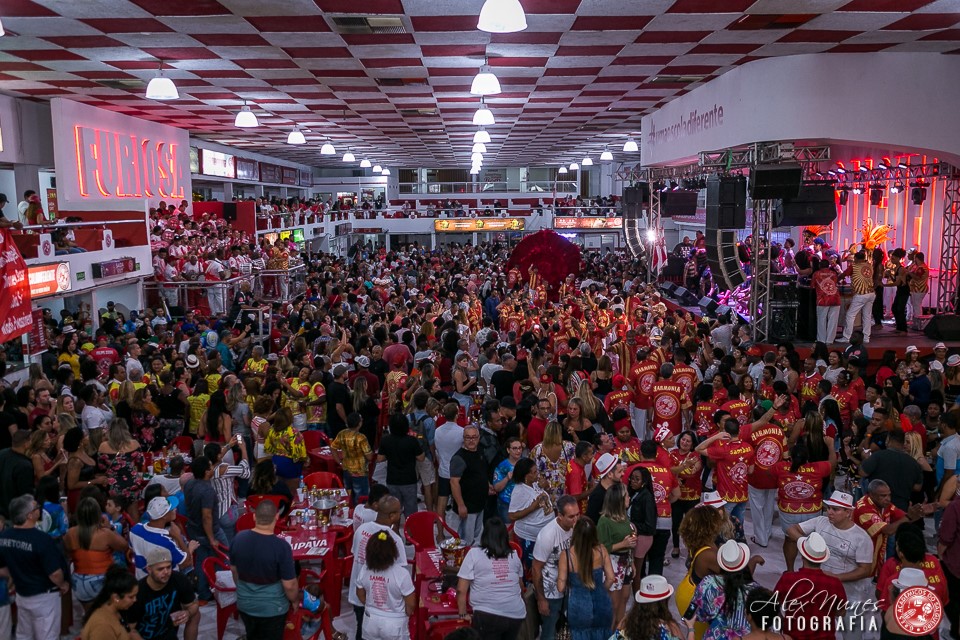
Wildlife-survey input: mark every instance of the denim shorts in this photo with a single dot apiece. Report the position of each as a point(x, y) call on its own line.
point(787, 519)
point(86, 586)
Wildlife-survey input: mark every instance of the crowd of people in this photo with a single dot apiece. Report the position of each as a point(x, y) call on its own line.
point(603, 433)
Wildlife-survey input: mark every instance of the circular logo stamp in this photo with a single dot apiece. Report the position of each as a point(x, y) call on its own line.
point(918, 610)
point(47, 248)
point(63, 276)
point(666, 406)
point(768, 453)
point(798, 490)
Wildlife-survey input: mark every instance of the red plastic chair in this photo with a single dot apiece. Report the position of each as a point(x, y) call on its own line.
point(245, 521)
point(183, 443)
point(314, 439)
point(323, 480)
point(420, 528)
point(438, 630)
point(210, 567)
point(282, 504)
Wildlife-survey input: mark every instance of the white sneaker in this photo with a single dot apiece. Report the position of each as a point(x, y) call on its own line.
point(842, 339)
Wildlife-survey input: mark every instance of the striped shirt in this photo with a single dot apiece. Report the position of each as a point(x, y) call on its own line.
point(861, 277)
point(224, 486)
point(144, 539)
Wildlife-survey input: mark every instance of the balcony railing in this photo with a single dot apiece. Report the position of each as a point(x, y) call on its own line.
point(82, 237)
point(560, 187)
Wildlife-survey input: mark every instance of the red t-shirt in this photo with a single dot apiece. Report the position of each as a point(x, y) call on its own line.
point(860, 389)
point(105, 357)
point(787, 417)
point(768, 445)
point(738, 409)
point(818, 597)
point(668, 402)
point(931, 568)
point(663, 485)
point(825, 284)
point(535, 431)
point(801, 491)
point(767, 393)
point(690, 478)
point(642, 377)
point(576, 482)
point(703, 419)
point(721, 396)
point(617, 399)
point(629, 451)
point(848, 402)
point(808, 387)
point(687, 377)
point(733, 459)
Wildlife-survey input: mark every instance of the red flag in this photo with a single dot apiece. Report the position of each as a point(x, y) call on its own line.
point(15, 316)
point(659, 258)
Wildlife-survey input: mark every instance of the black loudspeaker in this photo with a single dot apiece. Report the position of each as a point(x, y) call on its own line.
point(230, 211)
point(678, 203)
point(724, 310)
point(783, 323)
point(775, 182)
point(783, 288)
point(722, 258)
point(638, 194)
point(708, 306)
point(669, 287)
point(176, 312)
point(685, 296)
point(943, 327)
point(726, 202)
point(815, 205)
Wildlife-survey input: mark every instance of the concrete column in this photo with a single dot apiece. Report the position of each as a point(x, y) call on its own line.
point(25, 176)
point(227, 191)
point(606, 179)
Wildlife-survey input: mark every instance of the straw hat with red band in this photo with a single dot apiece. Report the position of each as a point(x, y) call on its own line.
point(653, 589)
point(605, 464)
point(733, 556)
point(840, 500)
point(713, 499)
point(814, 548)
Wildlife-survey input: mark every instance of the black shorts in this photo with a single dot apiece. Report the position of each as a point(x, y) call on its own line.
point(443, 487)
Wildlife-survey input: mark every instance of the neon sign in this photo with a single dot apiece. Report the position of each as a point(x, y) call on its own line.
point(120, 165)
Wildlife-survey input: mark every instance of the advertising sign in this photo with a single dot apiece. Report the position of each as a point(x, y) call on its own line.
point(218, 164)
point(248, 170)
point(49, 279)
point(569, 222)
point(270, 173)
point(15, 308)
point(470, 225)
point(290, 176)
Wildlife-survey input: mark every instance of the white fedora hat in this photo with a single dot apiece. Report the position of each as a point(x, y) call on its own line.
point(733, 556)
point(654, 589)
point(814, 548)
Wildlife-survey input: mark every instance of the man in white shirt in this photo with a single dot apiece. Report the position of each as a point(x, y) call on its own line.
point(388, 519)
point(447, 440)
point(492, 365)
point(552, 540)
point(215, 294)
point(24, 204)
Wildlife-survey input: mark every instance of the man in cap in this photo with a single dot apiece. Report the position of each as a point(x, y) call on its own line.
point(160, 532)
point(362, 364)
point(810, 594)
point(4, 222)
point(609, 470)
point(165, 602)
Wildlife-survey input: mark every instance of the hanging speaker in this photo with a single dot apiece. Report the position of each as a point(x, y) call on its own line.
point(726, 202)
point(816, 204)
point(722, 258)
point(775, 182)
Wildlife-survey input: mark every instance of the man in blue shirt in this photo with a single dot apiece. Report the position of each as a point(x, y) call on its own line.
point(949, 450)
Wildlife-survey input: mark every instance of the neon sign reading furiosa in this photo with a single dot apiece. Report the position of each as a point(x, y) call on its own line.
point(121, 165)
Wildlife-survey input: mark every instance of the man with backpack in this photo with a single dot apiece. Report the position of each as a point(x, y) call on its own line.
point(423, 427)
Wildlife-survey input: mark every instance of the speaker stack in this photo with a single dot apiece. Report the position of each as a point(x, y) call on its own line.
point(726, 213)
point(783, 307)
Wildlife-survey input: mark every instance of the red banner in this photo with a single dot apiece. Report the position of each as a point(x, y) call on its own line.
point(15, 316)
point(38, 334)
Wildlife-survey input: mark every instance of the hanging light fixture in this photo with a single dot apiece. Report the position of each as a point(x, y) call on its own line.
point(630, 146)
point(483, 116)
point(474, 171)
point(562, 170)
point(160, 86)
point(479, 148)
point(574, 166)
point(364, 164)
point(385, 172)
point(606, 156)
point(377, 168)
point(476, 156)
point(348, 157)
point(327, 149)
point(502, 16)
point(481, 136)
point(246, 118)
point(2, 32)
point(485, 83)
point(587, 162)
point(296, 136)
point(476, 163)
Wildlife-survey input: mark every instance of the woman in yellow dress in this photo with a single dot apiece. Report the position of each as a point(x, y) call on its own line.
point(700, 531)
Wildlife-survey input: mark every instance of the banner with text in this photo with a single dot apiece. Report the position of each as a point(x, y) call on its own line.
point(15, 309)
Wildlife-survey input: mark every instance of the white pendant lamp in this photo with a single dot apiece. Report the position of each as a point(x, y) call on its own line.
point(606, 156)
point(364, 164)
point(574, 166)
point(479, 148)
point(483, 116)
point(481, 136)
point(587, 162)
point(476, 163)
point(160, 86)
point(2, 32)
point(246, 118)
point(348, 157)
point(474, 171)
point(377, 168)
point(385, 172)
point(476, 156)
point(485, 83)
point(630, 146)
point(327, 149)
point(296, 137)
point(562, 170)
point(502, 16)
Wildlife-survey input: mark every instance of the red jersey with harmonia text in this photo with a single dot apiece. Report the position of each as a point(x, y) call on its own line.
point(801, 491)
point(808, 387)
point(733, 459)
point(687, 377)
point(768, 444)
point(669, 402)
point(663, 484)
point(703, 419)
point(642, 377)
point(690, 477)
point(617, 399)
point(738, 409)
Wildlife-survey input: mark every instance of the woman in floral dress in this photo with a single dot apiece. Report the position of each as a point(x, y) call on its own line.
point(120, 459)
point(552, 457)
point(727, 618)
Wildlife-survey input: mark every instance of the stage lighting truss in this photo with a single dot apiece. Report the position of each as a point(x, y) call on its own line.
point(896, 176)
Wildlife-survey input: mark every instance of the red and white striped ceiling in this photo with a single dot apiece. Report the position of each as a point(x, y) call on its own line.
point(580, 77)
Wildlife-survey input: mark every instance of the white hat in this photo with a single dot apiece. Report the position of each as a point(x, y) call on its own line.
point(840, 499)
point(953, 360)
point(159, 507)
point(733, 556)
point(662, 433)
point(814, 548)
point(654, 589)
point(605, 464)
point(713, 499)
point(936, 365)
point(69, 328)
point(913, 349)
point(363, 361)
point(939, 345)
point(192, 361)
point(910, 578)
point(821, 364)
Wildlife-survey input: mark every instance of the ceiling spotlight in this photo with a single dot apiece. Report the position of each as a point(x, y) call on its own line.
point(327, 149)
point(562, 170)
point(902, 165)
point(296, 137)
point(863, 169)
point(385, 172)
point(606, 156)
point(630, 146)
point(160, 87)
point(587, 162)
point(364, 164)
point(483, 116)
point(485, 83)
point(918, 193)
point(884, 164)
point(481, 136)
point(857, 189)
point(479, 148)
point(876, 194)
point(348, 157)
point(844, 195)
point(2, 32)
point(502, 16)
point(377, 168)
point(840, 169)
point(476, 156)
point(897, 187)
point(246, 118)
point(574, 166)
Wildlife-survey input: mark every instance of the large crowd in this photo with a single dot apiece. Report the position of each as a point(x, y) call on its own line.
point(577, 439)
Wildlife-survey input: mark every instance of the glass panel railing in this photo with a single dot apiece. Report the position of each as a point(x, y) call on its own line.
point(525, 186)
